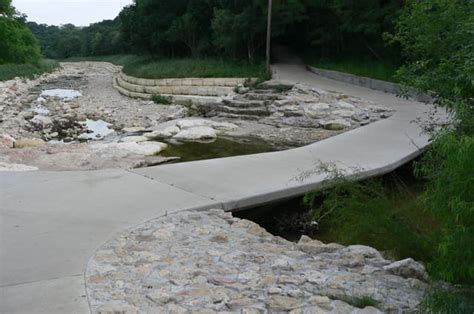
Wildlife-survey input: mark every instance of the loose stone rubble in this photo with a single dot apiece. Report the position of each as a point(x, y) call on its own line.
point(208, 262)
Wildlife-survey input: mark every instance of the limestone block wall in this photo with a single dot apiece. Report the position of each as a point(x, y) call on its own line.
point(204, 87)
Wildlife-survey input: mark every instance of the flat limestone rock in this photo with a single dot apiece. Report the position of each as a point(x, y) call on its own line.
point(15, 167)
point(165, 132)
point(337, 125)
point(133, 139)
point(134, 129)
point(196, 133)
point(144, 148)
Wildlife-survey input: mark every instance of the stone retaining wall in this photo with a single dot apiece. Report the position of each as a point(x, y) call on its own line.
point(179, 88)
point(366, 82)
point(176, 98)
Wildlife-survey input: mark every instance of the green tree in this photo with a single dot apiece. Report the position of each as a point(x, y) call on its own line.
point(185, 29)
point(437, 39)
point(6, 7)
point(17, 44)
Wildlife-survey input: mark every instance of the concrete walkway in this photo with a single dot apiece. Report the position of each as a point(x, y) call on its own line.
point(52, 222)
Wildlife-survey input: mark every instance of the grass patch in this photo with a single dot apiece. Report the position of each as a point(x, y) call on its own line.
point(448, 302)
point(369, 68)
point(9, 71)
point(162, 100)
point(384, 213)
point(361, 302)
point(155, 68)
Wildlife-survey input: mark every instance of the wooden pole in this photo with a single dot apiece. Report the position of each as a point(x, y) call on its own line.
point(269, 37)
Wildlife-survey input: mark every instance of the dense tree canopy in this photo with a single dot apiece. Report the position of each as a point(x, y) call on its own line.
point(231, 28)
point(17, 43)
point(66, 41)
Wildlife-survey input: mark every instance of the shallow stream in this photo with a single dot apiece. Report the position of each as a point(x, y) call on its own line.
point(221, 147)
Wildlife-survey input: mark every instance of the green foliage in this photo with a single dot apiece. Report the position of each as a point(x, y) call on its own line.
point(369, 68)
point(17, 44)
point(229, 28)
point(11, 70)
point(162, 100)
point(449, 168)
point(66, 41)
point(181, 68)
point(448, 302)
point(380, 213)
point(437, 38)
point(149, 67)
point(6, 7)
point(363, 302)
point(341, 29)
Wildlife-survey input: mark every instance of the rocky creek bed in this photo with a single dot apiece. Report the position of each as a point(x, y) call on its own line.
point(210, 261)
point(51, 122)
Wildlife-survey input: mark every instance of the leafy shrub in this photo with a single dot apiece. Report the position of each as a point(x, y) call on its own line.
point(449, 168)
point(17, 44)
point(437, 39)
point(380, 213)
point(28, 70)
point(162, 100)
point(448, 302)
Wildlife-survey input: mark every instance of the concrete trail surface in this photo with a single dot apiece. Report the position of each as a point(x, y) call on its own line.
point(52, 222)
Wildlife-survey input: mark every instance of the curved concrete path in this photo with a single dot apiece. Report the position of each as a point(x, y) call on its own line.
point(52, 222)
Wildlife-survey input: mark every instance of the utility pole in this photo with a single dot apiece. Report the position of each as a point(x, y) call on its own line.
point(269, 36)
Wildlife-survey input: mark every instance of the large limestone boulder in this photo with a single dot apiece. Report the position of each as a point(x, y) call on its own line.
point(6, 141)
point(163, 132)
point(336, 125)
point(193, 123)
point(196, 133)
point(408, 268)
point(133, 139)
point(143, 148)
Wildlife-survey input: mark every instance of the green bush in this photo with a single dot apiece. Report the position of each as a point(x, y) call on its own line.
point(375, 69)
point(162, 100)
point(448, 302)
point(437, 39)
point(28, 70)
point(449, 168)
point(17, 44)
point(382, 213)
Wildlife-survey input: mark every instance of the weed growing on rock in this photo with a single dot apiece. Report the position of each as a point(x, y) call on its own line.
point(162, 100)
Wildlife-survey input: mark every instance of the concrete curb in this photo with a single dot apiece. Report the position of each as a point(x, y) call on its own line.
point(387, 87)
